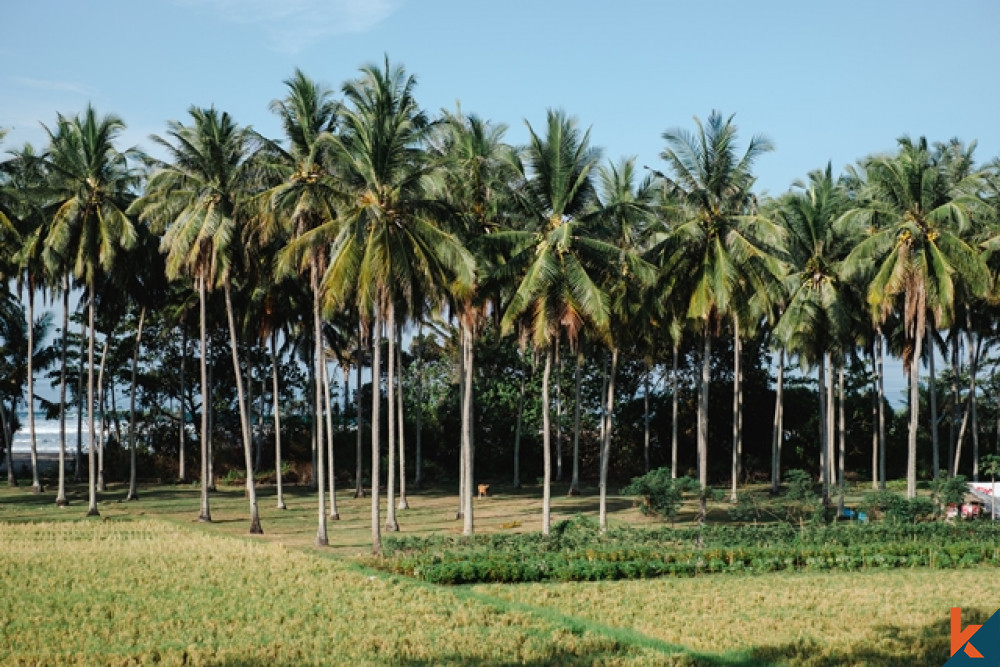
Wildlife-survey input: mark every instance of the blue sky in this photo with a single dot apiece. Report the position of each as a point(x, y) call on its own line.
point(830, 81)
point(833, 81)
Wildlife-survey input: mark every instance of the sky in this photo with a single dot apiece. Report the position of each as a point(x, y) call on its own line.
point(832, 81)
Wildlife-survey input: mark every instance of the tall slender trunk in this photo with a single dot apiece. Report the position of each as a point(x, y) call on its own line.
point(206, 482)
point(101, 440)
point(955, 372)
point(606, 444)
point(359, 487)
point(874, 421)
point(36, 483)
point(674, 404)
point(7, 438)
point(517, 430)
point(777, 431)
point(880, 375)
point(737, 433)
point(703, 387)
point(460, 512)
point(91, 462)
point(255, 442)
point(182, 414)
point(546, 442)
point(78, 468)
point(391, 524)
point(574, 486)
point(911, 449)
point(376, 431)
point(831, 422)
point(932, 389)
point(468, 457)
point(974, 349)
point(277, 421)
point(418, 460)
point(559, 406)
point(334, 514)
point(403, 504)
point(317, 335)
point(61, 500)
point(841, 435)
point(132, 491)
point(211, 422)
point(255, 528)
point(824, 464)
point(645, 414)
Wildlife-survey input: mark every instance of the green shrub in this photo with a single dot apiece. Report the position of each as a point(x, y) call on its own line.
point(661, 495)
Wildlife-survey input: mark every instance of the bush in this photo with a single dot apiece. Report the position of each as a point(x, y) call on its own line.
point(892, 506)
point(661, 495)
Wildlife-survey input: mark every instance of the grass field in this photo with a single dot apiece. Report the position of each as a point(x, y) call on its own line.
point(148, 583)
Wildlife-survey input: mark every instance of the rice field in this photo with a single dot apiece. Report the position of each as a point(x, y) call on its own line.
point(146, 583)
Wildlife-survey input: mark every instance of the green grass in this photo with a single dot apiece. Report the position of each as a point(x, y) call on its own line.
point(146, 582)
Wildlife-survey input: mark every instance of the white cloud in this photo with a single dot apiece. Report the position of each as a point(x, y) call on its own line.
point(56, 86)
point(292, 25)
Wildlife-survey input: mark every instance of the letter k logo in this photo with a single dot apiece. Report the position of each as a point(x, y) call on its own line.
point(960, 637)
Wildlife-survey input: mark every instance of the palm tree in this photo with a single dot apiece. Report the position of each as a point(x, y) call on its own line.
point(560, 262)
point(304, 202)
point(816, 320)
point(196, 199)
point(391, 249)
point(913, 255)
point(717, 243)
point(92, 184)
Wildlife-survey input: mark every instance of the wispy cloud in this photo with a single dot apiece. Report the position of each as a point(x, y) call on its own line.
point(292, 25)
point(57, 86)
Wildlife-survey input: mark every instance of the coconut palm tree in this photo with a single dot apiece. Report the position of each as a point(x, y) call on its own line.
point(718, 244)
point(559, 262)
point(304, 204)
point(913, 256)
point(195, 198)
point(391, 249)
point(92, 185)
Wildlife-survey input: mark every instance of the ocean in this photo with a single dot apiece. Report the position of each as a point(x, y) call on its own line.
point(47, 434)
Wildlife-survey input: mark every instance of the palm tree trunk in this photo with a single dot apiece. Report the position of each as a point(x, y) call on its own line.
point(831, 422)
point(359, 487)
point(277, 421)
point(546, 443)
point(334, 514)
point(875, 442)
point(973, 402)
point(317, 334)
point(460, 513)
point(132, 492)
point(91, 462)
point(736, 408)
point(36, 484)
point(418, 461)
point(376, 430)
point(841, 435)
point(61, 500)
point(703, 386)
point(5, 425)
point(559, 406)
point(101, 440)
point(391, 524)
point(880, 379)
point(955, 372)
point(403, 504)
point(206, 482)
point(182, 413)
point(255, 528)
point(78, 468)
point(467, 430)
point(517, 430)
point(777, 431)
point(606, 444)
point(824, 468)
point(574, 486)
point(911, 449)
point(932, 389)
point(645, 413)
point(674, 400)
point(211, 421)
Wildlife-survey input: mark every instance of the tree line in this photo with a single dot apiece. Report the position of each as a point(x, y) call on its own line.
point(372, 218)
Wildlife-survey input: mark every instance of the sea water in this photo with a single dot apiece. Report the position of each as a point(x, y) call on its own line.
point(47, 434)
